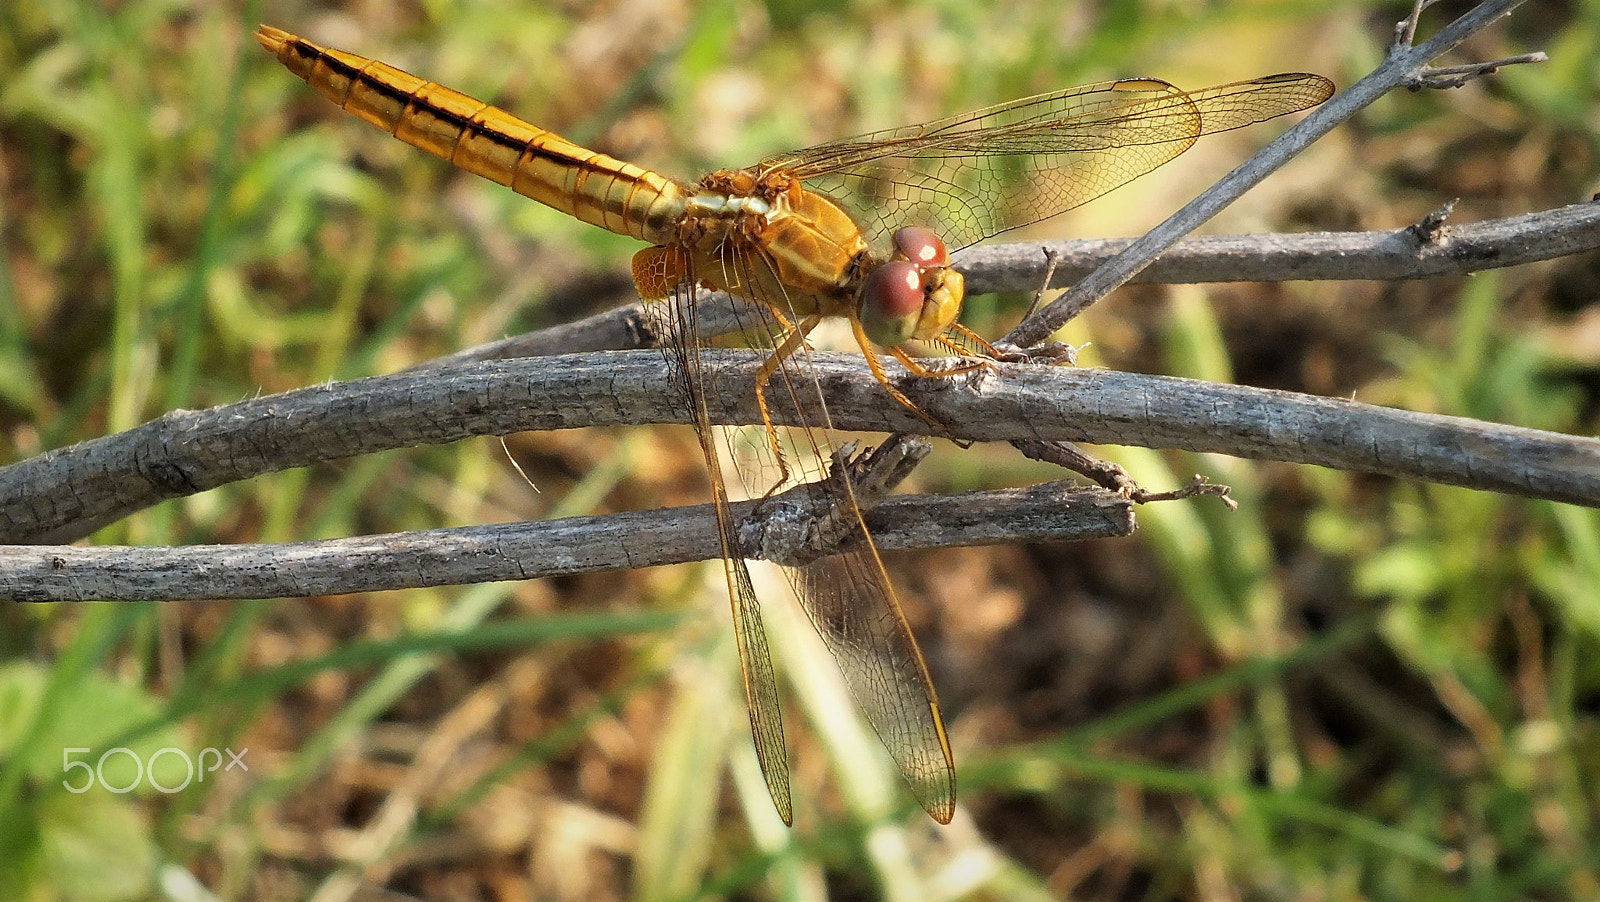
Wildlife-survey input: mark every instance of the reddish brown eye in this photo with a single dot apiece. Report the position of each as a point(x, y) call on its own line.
point(921, 246)
point(895, 290)
point(891, 302)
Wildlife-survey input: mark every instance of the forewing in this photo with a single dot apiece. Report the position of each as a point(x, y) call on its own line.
point(971, 176)
point(674, 316)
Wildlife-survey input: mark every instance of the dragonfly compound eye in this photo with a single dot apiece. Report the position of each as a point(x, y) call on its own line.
point(921, 246)
point(891, 302)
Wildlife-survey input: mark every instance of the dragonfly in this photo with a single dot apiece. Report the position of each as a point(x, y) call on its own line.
point(858, 229)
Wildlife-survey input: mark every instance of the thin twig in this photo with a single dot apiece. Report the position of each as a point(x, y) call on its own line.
point(1107, 474)
point(1198, 487)
point(1405, 31)
point(1446, 77)
point(1113, 477)
point(1052, 259)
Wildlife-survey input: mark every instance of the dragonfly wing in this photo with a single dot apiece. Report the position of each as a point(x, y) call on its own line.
point(850, 601)
point(848, 597)
point(971, 176)
point(674, 316)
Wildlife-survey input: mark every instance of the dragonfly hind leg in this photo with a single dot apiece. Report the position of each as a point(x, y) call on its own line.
point(785, 349)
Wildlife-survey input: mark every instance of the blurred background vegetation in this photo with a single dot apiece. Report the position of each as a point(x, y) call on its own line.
point(1351, 688)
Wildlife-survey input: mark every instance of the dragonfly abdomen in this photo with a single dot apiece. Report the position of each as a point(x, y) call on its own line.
point(488, 141)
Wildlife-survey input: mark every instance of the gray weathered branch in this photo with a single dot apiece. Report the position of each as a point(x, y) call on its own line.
point(56, 496)
point(527, 550)
point(1388, 256)
point(1019, 266)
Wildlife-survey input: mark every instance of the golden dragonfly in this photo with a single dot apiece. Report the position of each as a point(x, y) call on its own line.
point(858, 229)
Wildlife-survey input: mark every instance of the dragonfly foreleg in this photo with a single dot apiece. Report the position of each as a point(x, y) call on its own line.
point(883, 377)
point(925, 372)
point(983, 345)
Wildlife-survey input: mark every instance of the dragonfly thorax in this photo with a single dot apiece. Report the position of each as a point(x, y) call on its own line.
point(767, 238)
point(741, 196)
point(722, 204)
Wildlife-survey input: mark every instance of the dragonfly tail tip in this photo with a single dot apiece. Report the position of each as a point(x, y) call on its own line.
point(271, 38)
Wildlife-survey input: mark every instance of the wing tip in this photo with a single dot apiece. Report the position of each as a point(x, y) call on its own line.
point(937, 797)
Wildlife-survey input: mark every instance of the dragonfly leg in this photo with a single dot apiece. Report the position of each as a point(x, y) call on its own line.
point(960, 349)
point(917, 369)
point(784, 322)
point(969, 335)
point(883, 377)
point(785, 349)
point(923, 372)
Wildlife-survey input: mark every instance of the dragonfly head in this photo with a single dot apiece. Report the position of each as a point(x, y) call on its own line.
point(915, 295)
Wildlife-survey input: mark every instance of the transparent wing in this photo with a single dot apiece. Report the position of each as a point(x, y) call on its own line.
point(674, 317)
point(971, 176)
point(851, 603)
point(848, 597)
